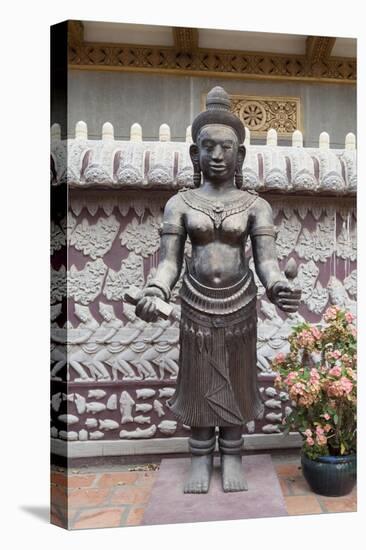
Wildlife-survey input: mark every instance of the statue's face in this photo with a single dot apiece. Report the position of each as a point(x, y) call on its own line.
point(218, 150)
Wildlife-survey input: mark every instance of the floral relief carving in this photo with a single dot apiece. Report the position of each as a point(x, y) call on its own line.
point(331, 178)
point(318, 299)
point(287, 236)
point(350, 283)
point(95, 240)
point(317, 245)
point(95, 173)
point(308, 274)
point(58, 284)
point(259, 114)
point(131, 273)
point(129, 175)
point(85, 285)
point(347, 244)
point(160, 176)
point(142, 238)
point(58, 235)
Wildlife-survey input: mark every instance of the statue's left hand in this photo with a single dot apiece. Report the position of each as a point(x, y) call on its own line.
point(285, 297)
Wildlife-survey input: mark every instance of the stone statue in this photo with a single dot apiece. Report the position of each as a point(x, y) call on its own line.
point(217, 379)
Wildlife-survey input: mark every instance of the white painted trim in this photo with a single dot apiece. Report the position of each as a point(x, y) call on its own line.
point(89, 449)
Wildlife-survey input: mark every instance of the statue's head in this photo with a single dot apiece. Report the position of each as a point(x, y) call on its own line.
point(106, 311)
point(217, 150)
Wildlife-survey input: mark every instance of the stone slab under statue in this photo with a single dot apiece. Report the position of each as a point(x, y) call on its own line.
point(263, 498)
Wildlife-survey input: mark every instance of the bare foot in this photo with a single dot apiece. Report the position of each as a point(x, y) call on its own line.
point(232, 474)
point(199, 474)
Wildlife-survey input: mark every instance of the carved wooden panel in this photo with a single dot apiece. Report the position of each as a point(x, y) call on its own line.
point(259, 114)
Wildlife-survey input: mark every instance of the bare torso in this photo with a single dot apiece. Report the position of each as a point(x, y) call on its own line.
point(218, 254)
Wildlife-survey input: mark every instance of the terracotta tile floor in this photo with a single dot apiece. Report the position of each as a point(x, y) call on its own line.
point(97, 498)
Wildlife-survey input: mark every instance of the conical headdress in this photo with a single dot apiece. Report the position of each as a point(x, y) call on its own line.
point(218, 112)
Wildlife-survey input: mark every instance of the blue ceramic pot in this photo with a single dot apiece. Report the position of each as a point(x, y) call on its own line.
point(331, 476)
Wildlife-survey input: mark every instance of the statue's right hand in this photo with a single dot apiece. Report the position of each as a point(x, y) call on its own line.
point(146, 306)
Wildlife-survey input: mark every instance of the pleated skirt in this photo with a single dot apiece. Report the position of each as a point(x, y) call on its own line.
point(217, 380)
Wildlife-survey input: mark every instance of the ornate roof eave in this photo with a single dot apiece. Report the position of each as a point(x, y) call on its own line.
point(211, 62)
point(166, 164)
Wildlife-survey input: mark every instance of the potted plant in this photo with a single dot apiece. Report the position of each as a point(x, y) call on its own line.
point(319, 374)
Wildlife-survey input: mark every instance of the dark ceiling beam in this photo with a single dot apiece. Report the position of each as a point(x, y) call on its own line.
point(319, 48)
point(185, 39)
point(75, 33)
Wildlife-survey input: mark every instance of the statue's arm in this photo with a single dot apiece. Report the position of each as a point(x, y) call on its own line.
point(173, 237)
point(262, 233)
point(172, 241)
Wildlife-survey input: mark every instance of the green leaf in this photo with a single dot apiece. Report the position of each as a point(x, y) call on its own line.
point(335, 419)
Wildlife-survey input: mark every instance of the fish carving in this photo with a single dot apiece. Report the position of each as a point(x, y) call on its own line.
point(125, 405)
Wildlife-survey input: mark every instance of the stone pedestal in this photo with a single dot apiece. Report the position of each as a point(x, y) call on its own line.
point(168, 503)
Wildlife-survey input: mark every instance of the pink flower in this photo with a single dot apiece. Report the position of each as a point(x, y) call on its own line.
point(280, 357)
point(349, 317)
point(334, 389)
point(335, 371)
point(339, 388)
point(321, 440)
point(346, 360)
point(331, 313)
point(305, 338)
point(310, 441)
point(314, 376)
point(308, 433)
point(319, 430)
point(351, 373)
point(346, 385)
point(336, 354)
point(298, 388)
point(290, 378)
point(315, 332)
point(326, 416)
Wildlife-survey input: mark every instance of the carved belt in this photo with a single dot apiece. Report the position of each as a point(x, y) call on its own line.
point(247, 312)
point(218, 301)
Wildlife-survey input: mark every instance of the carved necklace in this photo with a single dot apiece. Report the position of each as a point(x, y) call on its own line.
point(216, 209)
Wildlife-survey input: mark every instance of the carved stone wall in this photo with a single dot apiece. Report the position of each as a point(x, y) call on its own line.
point(111, 372)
